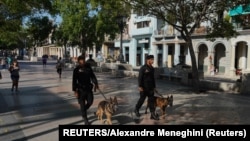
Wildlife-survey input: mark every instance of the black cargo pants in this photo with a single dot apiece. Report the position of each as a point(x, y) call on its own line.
point(143, 95)
point(85, 99)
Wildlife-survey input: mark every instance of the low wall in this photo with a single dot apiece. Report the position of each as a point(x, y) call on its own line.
point(126, 70)
point(33, 59)
point(220, 86)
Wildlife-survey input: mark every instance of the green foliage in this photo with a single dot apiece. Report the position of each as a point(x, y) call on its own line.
point(227, 18)
point(87, 23)
point(39, 28)
point(12, 13)
point(222, 29)
point(78, 23)
point(107, 12)
point(58, 36)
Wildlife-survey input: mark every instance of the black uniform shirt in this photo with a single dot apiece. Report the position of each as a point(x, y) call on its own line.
point(146, 78)
point(83, 76)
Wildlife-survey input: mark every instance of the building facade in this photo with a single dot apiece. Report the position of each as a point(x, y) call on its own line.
point(149, 35)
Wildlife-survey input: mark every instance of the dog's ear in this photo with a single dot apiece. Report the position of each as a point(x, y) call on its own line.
point(116, 101)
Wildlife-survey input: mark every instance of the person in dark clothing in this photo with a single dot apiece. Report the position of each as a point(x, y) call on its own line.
point(14, 74)
point(147, 87)
point(59, 67)
point(82, 85)
point(44, 59)
point(91, 61)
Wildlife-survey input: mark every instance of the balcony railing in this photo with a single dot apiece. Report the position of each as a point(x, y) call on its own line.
point(142, 31)
point(163, 32)
point(170, 32)
point(125, 36)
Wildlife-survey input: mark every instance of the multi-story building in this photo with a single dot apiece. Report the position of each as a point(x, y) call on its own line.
point(149, 35)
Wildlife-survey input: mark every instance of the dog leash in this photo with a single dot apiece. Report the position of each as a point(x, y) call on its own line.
point(158, 93)
point(102, 94)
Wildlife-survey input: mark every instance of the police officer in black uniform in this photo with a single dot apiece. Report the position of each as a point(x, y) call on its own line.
point(146, 82)
point(82, 85)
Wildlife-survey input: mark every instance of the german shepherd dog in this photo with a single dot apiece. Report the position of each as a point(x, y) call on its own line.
point(162, 103)
point(107, 107)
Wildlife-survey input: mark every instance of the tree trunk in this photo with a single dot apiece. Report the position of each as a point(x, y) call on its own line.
point(195, 72)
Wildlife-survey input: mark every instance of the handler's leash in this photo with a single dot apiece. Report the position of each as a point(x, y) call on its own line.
point(102, 94)
point(159, 94)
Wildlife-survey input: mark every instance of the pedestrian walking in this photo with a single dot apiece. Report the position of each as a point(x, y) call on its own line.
point(83, 82)
point(147, 87)
point(3, 63)
point(59, 67)
point(9, 61)
point(44, 59)
point(91, 61)
point(14, 74)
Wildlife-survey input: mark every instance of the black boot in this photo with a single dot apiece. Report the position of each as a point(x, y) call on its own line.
point(154, 116)
point(136, 111)
point(86, 121)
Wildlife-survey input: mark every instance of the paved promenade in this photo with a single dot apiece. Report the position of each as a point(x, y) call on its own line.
point(45, 101)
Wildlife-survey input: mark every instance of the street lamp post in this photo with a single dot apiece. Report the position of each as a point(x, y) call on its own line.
point(121, 21)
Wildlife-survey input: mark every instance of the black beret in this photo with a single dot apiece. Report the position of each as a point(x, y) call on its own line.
point(150, 57)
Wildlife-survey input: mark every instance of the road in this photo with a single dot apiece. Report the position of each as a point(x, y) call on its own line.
point(45, 101)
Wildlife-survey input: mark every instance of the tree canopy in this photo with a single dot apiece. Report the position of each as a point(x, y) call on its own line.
point(12, 14)
point(87, 23)
point(39, 29)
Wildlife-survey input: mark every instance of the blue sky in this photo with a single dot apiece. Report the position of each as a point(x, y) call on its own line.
point(56, 19)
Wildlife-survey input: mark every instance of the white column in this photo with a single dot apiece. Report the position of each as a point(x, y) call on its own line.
point(244, 57)
point(62, 50)
point(71, 52)
point(232, 67)
point(74, 51)
point(40, 52)
point(177, 50)
point(248, 54)
point(197, 57)
point(103, 50)
point(44, 51)
point(94, 52)
point(233, 58)
point(88, 51)
point(59, 52)
point(165, 55)
point(133, 52)
point(78, 52)
point(154, 49)
point(188, 57)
